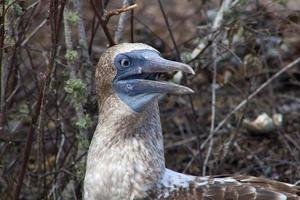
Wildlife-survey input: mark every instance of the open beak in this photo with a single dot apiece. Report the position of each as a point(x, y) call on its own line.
point(141, 80)
point(157, 64)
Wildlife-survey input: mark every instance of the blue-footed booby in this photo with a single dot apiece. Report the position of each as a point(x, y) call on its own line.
point(126, 155)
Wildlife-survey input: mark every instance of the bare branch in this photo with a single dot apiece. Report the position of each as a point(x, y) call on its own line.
point(56, 18)
point(104, 18)
point(218, 22)
point(122, 21)
point(169, 29)
point(84, 46)
point(251, 96)
point(107, 15)
point(226, 5)
point(34, 32)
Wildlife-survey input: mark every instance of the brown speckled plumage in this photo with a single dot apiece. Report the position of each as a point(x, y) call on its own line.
point(243, 188)
point(126, 155)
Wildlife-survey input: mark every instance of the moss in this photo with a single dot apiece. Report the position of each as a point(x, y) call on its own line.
point(71, 55)
point(72, 17)
point(77, 88)
point(84, 122)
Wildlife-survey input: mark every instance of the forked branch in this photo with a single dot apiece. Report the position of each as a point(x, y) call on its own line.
point(104, 16)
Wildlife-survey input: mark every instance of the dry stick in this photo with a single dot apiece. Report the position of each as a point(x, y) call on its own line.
point(2, 70)
point(179, 59)
point(32, 5)
point(169, 30)
point(132, 26)
point(226, 5)
point(103, 25)
point(41, 97)
point(104, 18)
point(83, 45)
point(213, 108)
point(41, 159)
point(180, 143)
point(177, 54)
point(209, 42)
point(218, 21)
point(34, 32)
point(150, 30)
point(122, 21)
point(108, 14)
point(94, 29)
point(251, 96)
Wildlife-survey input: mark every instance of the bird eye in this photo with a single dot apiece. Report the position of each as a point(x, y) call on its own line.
point(124, 62)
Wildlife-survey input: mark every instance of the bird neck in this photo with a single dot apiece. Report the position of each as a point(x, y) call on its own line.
point(126, 151)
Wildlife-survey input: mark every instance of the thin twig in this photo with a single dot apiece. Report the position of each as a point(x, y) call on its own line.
point(93, 33)
point(251, 96)
point(122, 21)
point(107, 15)
point(83, 45)
point(218, 22)
point(213, 107)
point(104, 26)
point(104, 17)
point(132, 26)
point(169, 30)
point(34, 32)
point(2, 69)
point(55, 18)
point(150, 31)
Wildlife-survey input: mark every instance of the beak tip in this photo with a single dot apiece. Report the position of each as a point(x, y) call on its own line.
point(189, 69)
point(191, 91)
point(187, 90)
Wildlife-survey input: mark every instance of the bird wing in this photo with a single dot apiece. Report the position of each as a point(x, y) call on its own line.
point(176, 186)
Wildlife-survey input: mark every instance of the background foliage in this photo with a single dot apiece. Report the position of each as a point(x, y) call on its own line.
point(48, 110)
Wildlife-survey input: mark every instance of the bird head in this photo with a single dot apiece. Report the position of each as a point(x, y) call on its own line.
point(130, 71)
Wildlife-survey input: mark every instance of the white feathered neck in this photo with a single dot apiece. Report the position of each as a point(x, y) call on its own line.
point(126, 155)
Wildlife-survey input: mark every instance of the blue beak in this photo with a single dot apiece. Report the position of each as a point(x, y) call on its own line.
point(139, 78)
point(136, 83)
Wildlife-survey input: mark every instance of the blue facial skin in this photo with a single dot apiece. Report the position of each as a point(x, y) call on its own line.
point(127, 82)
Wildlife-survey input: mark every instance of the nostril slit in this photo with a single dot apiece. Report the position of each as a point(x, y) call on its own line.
point(129, 87)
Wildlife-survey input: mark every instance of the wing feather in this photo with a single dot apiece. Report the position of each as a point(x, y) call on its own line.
point(223, 188)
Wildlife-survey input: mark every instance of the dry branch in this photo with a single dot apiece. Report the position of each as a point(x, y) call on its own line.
point(122, 21)
point(55, 21)
point(218, 22)
point(104, 16)
point(251, 96)
point(108, 14)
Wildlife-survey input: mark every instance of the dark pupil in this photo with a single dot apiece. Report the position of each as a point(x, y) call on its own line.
point(124, 62)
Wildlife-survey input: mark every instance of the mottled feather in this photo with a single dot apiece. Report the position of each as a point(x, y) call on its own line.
point(226, 188)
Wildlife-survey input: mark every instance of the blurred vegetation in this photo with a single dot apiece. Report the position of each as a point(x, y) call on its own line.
point(48, 106)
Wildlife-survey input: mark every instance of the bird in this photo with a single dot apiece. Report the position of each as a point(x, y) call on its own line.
point(126, 160)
